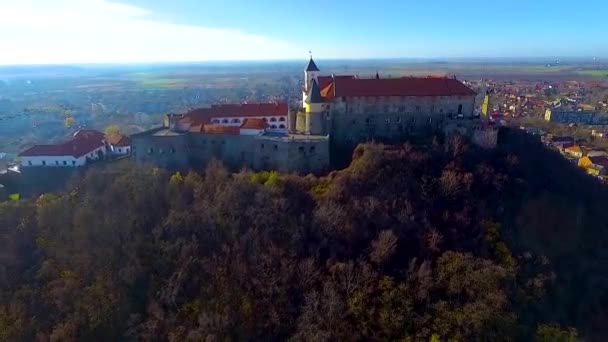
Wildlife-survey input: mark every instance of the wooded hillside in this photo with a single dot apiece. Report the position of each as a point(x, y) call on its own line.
point(442, 242)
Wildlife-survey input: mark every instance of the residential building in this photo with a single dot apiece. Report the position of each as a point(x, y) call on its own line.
point(120, 145)
point(573, 151)
point(594, 165)
point(85, 146)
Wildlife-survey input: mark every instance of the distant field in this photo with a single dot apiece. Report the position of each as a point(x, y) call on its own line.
point(596, 72)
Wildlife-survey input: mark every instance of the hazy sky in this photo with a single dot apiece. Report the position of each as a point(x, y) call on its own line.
point(79, 31)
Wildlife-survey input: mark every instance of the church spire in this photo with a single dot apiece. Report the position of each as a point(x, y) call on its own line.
point(311, 64)
point(314, 95)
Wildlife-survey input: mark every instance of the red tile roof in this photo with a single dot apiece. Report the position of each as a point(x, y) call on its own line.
point(219, 129)
point(84, 142)
point(89, 134)
point(405, 86)
point(204, 115)
point(324, 81)
point(254, 123)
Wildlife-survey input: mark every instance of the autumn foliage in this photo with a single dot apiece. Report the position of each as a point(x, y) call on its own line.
point(443, 242)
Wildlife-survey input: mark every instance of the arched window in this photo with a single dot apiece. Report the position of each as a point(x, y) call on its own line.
point(459, 109)
point(273, 126)
point(215, 121)
point(236, 121)
point(282, 126)
point(273, 119)
point(225, 121)
point(282, 119)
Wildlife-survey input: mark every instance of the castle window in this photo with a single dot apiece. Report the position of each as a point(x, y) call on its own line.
point(150, 150)
point(301, 148)
point(73, 162)
point(120, 150)
point(56, 162)
point(273, 119)
point(273, 126)
point(282, 119)
point(65, 162)
point(282, 126)
point(262, 146)
point(225, 121)
point(276, 147)
point(172, 151)
point(29, 163)
point(236, 121)
point(459, 109)
point(312, 149)
point(265, 120)
point(215, 121)
point(398, 119)
point(43, 162)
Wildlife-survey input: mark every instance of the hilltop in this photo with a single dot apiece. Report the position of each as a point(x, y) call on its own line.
point(442, 241)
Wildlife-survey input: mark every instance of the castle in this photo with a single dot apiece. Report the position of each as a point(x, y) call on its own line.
point(336, 111)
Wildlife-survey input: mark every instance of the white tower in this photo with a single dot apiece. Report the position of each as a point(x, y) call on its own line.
point(310, 73)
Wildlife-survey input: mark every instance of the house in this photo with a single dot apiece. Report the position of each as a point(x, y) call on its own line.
point(119, 144)
point(573, 151)
point(597, 153)
point(598, 133)
point(85, 146)
point(559, 143)
point(594, 165)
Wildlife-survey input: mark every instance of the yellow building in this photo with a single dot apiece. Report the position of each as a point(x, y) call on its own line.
point(594, 165)
point(574, 151)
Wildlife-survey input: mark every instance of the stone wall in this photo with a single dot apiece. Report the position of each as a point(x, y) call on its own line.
point(171, 152)
point(393, 118)
point(298, 154)
point(235, 151)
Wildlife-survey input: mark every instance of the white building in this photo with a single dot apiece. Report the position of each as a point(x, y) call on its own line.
point(85, 146)
point(119, 144)
point(274, 114)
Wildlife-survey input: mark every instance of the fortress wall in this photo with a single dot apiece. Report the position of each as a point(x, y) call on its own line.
point(294, 154)
point(235, 151)
point(165, 151)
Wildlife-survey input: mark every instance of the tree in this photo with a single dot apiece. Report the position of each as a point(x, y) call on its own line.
point(112, 130)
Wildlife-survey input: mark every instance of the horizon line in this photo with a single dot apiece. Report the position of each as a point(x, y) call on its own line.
point(524, 58)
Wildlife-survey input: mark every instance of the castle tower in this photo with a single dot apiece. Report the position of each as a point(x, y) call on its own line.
point(310, 73)
point(313, 103)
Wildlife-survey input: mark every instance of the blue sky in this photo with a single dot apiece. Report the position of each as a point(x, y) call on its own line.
point(77, 31)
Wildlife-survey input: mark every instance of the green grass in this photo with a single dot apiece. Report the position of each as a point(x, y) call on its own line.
point(595, 72)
